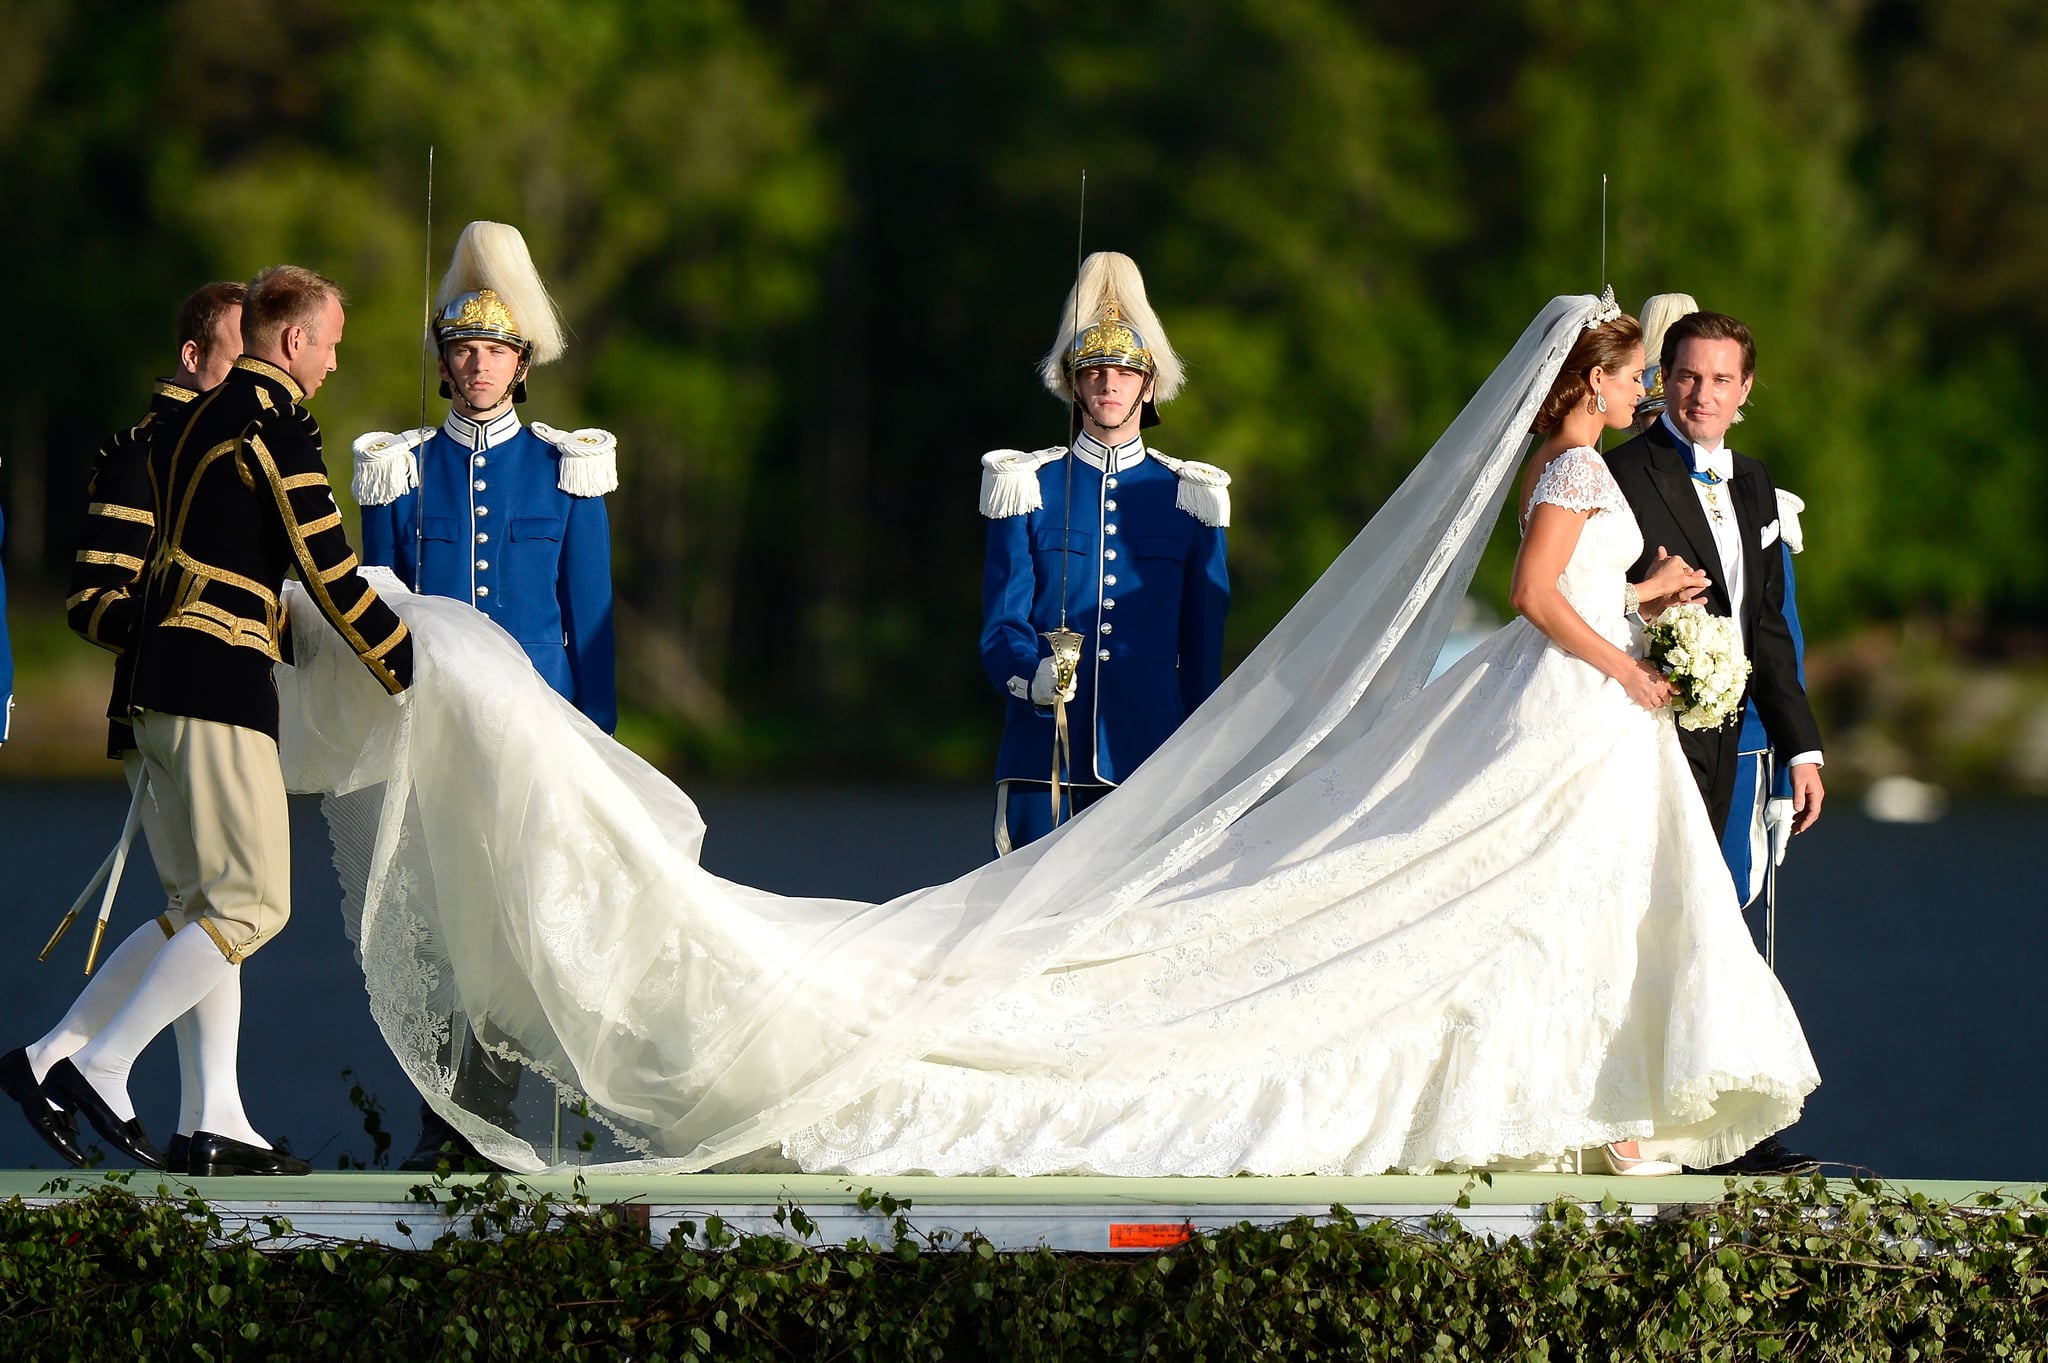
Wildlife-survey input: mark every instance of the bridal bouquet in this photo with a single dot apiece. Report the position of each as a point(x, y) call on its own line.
point(1702, 655)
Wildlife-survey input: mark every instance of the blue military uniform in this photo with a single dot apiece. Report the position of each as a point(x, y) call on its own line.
point(1139, 551)
point(491, 523)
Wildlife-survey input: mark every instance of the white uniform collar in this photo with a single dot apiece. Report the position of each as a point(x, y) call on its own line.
point(1110, 459)
point(476, 435)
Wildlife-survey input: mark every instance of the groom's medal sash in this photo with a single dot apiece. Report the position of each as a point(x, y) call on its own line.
point(1066, 659)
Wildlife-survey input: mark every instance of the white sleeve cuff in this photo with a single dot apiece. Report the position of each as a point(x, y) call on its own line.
point(1020, 688)
point(1802, 759)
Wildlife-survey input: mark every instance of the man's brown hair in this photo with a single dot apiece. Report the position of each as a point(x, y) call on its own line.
point(1709, 326)
point(203, 310)
point(285, 296)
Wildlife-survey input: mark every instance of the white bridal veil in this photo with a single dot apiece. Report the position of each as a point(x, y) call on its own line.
point(514, 875)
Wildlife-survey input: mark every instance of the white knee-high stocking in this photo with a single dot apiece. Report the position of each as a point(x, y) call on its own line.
point(217, 1022)
point(186, 970)
point(101, 998)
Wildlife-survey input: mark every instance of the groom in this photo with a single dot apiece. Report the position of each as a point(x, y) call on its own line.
point(1719, 510)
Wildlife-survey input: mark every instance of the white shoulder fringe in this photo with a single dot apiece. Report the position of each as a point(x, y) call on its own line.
point(589, 462)
point(1009, 480)
point(385, 467)
point(1204, 489)
point(1789, 508)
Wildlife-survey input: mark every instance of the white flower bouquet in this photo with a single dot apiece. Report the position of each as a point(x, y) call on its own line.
point(1702, 655)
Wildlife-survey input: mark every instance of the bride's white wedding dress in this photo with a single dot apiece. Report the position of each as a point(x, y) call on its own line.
point(1338, 925)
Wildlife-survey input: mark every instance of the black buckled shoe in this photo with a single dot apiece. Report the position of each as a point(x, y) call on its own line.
point(54, 1125)
point(67, 1085)
point(212, 1156)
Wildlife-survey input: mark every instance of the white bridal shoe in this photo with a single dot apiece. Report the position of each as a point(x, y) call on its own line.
point(1633, 1166)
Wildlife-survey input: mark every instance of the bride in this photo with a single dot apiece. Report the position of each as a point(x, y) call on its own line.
point(1340, 923)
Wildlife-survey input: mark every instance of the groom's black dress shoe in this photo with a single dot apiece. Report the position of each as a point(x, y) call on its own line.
point(176, 1153)
point(210, 1156)
point(55, 1125)
point(67, 1085)
point(1768, 1156)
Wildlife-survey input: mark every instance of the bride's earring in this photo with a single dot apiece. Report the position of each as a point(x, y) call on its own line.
point(1600, 404)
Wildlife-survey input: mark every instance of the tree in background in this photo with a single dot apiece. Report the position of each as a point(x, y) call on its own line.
point(806, 250)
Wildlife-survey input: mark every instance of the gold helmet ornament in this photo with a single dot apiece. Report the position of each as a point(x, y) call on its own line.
point(492, 292)
point(1108, 321)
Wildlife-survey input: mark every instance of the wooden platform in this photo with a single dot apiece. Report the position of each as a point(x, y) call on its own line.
point(1080, 1214)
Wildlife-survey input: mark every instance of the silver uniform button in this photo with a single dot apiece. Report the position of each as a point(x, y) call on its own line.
point(1109, 554)
point(483, 511)
point(1108, 628)
point(1109, 505)
point(483, 591)
point(482, 538)
point(1109, 579)
point(480, 485)
point(483, 565)
point(479, 461)
point(1109, 483)
point(1109, 530)
point(1103, 655)
point(1108, 604)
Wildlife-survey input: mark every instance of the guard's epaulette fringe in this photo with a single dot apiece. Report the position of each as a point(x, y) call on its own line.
point(589, 466)
point(1204, 489)
point(1789, 529)
point(1009, 480)
point(385, 467)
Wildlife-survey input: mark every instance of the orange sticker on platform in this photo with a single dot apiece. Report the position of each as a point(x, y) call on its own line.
point(1148, 1234)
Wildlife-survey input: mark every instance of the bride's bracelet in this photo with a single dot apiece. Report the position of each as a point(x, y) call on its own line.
point(1631, 599)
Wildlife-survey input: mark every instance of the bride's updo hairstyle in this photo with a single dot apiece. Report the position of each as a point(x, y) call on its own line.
point(1608, 346)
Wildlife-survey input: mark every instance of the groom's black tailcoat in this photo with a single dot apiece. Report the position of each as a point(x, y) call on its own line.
point(1656, 477)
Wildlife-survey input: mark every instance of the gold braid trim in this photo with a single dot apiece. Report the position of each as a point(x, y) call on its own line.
point(316, 579)
point(111, 560)
point(115, 511)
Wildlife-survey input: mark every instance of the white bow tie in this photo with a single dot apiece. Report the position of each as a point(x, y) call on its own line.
point(1721, 463)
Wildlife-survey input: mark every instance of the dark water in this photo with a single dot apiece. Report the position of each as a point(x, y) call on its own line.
point(1911, 951)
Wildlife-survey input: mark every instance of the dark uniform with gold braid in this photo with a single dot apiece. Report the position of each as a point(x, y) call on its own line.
point(241, 498)
point(238, 497)
point(113, 543)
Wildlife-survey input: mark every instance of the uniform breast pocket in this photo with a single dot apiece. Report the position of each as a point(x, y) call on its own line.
point(1047, 541)
point(1171, 548)
point(536, 528)
point(438, 528)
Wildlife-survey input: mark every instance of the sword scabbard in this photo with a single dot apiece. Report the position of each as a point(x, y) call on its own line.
point(63, 926)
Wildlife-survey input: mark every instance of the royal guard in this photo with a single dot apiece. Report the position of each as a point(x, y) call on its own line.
point(507, 516)
point(1110, 548)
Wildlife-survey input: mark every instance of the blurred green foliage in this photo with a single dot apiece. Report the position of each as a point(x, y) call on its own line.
point(810, 250)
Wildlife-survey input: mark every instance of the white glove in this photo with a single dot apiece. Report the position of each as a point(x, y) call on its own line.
point(1042, 686)
point(1778, 826)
